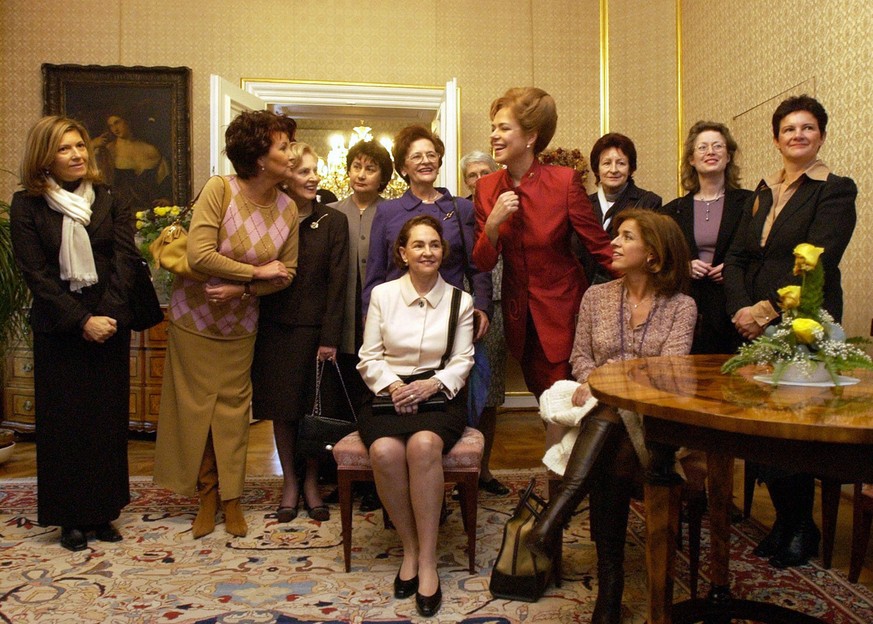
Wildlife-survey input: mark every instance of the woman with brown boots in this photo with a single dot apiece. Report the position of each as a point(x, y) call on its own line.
point(643, 314)
point(243, 237)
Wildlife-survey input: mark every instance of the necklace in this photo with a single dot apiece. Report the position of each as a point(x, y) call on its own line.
point(709, 202)
point(252, 202)
point(638, 303)
point(638, 352)
point(433, 197)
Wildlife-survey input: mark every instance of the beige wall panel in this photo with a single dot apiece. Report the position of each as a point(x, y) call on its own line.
point(30, 36)
point(741, 58)
point(488, 46)
point(642, 87)
point(567, 65)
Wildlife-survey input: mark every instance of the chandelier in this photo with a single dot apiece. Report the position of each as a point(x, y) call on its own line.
point(334, 177)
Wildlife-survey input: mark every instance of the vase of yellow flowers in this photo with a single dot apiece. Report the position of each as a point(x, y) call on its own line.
point(149, 224)
point(807, 346)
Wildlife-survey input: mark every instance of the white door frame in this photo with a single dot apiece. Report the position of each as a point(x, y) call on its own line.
point(371, 95)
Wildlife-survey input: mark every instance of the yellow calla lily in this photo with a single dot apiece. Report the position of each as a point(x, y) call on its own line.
point(789, 297)
point(807, 330)
point(806, 257)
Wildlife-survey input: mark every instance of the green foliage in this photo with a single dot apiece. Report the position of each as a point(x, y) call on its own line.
point(812, 293)
point(14, 294)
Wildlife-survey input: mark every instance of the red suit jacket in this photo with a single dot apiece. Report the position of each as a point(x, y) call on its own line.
point(541, 276)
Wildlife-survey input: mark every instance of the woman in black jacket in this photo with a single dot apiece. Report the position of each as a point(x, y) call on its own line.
point(803, 202)
point(708, 216)
point(298, 325)
point(73, 241)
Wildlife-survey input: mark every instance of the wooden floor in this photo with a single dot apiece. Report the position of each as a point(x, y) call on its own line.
point(518, 444)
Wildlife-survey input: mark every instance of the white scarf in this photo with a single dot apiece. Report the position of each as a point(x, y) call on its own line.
point(76, 257)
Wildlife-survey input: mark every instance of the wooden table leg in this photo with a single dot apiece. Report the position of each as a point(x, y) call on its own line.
point(662, 490)
point(720, 469)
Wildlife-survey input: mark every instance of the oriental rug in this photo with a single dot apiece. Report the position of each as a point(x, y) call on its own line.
point(293, 573)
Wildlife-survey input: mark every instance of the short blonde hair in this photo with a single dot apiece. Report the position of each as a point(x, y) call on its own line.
point(41, 148)
point(298, 150)
point(535, 111)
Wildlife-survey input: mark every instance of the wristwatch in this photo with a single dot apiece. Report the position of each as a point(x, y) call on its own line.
point(247, 293)
point(441, 387)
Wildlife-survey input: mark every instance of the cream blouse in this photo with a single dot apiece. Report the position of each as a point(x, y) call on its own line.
point(406, 334)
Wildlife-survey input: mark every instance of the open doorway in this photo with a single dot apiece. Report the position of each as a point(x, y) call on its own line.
point(349, 103)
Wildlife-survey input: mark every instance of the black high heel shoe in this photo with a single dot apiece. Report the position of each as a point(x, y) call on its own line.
point(319, 512)
point(286, 514)
point(73, 538)
point(404, 589)
point(107, 533)
point(427, 606)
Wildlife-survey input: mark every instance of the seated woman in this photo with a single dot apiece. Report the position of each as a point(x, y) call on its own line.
point(645, 313)
point(409, 354)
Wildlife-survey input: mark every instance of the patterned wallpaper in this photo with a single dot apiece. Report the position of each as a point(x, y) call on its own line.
point(642, 87)
point(738, 58)
point(743, 57)
point(488, 45)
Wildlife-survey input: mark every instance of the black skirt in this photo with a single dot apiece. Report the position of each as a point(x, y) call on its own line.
point(283, 371)
point(449, 424)
point(82, 392)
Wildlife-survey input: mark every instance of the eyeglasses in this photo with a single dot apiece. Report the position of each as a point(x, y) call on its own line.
point(419, 157)
point(705, 147)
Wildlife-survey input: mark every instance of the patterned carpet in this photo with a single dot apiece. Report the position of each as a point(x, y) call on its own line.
point(293, 573)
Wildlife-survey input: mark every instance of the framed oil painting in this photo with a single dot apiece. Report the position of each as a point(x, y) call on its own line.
point(139, 119)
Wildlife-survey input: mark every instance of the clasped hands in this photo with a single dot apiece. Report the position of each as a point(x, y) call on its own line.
point(746, 324)
point(99, 329)
point(407, 396)
point(703, 270)
point(274, 272)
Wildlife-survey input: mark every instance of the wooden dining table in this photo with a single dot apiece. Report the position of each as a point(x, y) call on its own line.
point(687, 402)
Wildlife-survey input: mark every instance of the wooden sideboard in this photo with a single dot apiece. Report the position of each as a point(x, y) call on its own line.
point(147, 353)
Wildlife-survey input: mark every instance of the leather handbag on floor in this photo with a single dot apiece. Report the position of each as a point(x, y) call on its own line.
point(519, 574)
point(317, 433)
point(170, 248)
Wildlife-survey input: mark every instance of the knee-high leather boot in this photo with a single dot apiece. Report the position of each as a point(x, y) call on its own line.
point(801, 539)
point(610, 506)
point(582, 470)
point(207, 489)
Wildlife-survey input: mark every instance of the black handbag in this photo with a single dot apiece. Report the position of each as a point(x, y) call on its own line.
point(518, 573)
point(317, 433)
point(145, 309)
point(383, 405)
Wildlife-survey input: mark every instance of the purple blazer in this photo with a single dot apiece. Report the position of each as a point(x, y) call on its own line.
point(390, 217)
